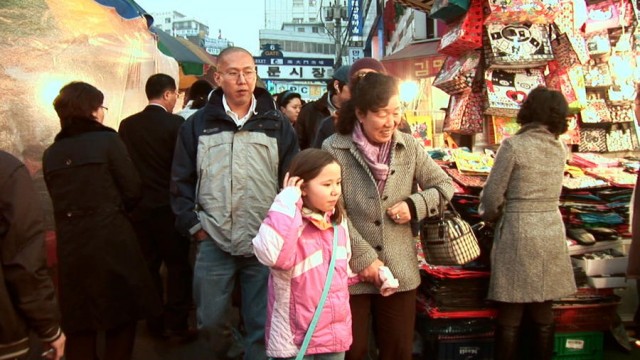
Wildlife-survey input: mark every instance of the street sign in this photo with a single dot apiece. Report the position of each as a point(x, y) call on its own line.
point(355, 54)
point(289, 72)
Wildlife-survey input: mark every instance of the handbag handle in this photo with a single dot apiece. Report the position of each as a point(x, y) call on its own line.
point(323, 297)
point(443, 202)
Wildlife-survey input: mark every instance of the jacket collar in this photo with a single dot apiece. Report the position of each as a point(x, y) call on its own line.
point(215, 108)
point(345, 141)
point(81, 126)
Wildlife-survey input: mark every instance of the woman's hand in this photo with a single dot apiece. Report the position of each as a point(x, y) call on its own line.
point(371, 274)
point(400, 213)
point(294, 181)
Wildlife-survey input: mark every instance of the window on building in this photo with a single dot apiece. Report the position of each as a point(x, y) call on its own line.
point(314, 29)
point(167, 20)
point(312, 2)
point(313, 19)
point(299, 3)
point(300, 29)
point(298, 20)
point(431, 28)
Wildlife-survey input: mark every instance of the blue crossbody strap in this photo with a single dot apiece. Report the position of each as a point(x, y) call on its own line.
point(323, 297)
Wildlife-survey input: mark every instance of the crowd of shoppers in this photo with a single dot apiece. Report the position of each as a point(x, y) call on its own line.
point(303, 236)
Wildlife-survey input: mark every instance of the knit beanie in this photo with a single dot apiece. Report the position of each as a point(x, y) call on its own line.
point(366, 63)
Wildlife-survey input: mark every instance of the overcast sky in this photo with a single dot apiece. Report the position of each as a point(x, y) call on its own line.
point(239, 20)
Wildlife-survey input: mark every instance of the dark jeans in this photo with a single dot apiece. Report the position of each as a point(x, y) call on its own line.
point(161, 243)
point(119, 342)
point(393, 323)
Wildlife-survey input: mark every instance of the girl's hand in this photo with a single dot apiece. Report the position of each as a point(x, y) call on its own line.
point(294, 181)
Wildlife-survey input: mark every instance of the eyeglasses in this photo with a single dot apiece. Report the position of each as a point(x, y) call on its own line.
point(105, 108)
point(235, 75)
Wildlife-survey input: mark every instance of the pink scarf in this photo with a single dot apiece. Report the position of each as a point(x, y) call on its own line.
point(376, 156)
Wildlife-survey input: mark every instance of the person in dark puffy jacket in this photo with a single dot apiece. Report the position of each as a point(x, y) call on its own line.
point(27, 299)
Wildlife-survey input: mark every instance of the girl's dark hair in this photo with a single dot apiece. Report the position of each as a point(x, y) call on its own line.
point(547, 107)
point(307, 164)
point(285, 97)
point(199, 93)
point(370, 92)
point(76, 102)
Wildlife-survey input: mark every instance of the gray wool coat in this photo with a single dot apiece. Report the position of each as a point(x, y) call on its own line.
point(529, 261)
point(633, 268)
point(373, 234)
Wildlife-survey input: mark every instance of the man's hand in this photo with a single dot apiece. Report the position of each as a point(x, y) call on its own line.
point(370, 273)
point(200, 235)
point(55, 349)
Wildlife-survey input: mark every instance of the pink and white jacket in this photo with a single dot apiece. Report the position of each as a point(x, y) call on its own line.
point(296, 244)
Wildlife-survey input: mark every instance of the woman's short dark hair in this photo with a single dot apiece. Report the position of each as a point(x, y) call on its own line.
point(285, 97)
point(307, 164)
point(76, 102)
point(547, 107)
point(370, 92)
point(199, 93)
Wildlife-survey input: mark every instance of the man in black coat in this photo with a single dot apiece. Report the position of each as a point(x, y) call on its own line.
point(150, 137)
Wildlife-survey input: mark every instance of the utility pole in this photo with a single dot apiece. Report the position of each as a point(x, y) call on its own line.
point(337, 13)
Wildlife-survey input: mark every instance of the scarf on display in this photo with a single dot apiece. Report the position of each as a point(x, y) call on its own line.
point(376, 156)
point(322, 222)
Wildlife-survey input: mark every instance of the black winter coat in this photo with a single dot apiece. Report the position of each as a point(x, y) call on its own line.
point(104, 282)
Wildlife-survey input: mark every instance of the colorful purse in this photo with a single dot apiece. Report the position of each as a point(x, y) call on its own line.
point(521, 11)
point(448, 10)
point(569, 49)
point(457, 74)
point(592, 140)
point(597, 75)
point(622, 113)
point(570, 82)
point(466, 34)
point(602, 16)
point(517, 46)
point(619, 138)
point(598, 43)
point(596, 111)
point(506, 90)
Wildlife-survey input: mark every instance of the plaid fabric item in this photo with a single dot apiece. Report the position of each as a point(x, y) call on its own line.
point(447, 239)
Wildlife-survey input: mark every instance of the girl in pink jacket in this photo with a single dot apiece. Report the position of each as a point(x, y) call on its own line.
point(296, 242)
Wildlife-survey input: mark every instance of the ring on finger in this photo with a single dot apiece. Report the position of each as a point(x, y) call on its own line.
point(397, 216)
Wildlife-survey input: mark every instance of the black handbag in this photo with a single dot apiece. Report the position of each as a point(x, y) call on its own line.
point(447, 239)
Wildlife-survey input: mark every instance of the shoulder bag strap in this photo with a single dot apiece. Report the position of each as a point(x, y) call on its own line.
point(323, 297)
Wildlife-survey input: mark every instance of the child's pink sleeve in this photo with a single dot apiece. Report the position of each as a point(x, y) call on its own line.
point(275, 243)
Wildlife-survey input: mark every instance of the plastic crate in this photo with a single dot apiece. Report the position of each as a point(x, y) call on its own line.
point(458, 347)
point(579, 346)
point(585, 317)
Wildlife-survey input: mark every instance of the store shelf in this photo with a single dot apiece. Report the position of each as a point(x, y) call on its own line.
point(600, 245)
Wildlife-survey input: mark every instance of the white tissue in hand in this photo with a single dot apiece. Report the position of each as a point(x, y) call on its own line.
point(389, 283)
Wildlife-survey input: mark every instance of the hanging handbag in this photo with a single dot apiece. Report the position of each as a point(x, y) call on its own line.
point(323, 297)
point(447, 239)
point(448, 10)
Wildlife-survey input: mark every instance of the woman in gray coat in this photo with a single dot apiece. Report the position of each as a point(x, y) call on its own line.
point(530, 264)
point(379, 168)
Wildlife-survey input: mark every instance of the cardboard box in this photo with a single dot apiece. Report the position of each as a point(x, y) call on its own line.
point(600, 282)
point(617, 265)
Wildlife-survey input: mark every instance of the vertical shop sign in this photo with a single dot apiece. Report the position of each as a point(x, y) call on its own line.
point(355, 17)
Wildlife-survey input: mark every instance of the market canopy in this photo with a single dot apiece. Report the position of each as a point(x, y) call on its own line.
point(190, 61)
point(421, 5)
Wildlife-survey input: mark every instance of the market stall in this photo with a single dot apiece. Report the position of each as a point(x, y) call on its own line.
point(587, 50)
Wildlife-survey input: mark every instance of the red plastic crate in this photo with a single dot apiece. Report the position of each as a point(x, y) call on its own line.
point(585, 317)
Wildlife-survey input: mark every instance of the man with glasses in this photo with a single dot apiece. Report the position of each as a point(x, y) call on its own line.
point(150, 137)
point(229, 163)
